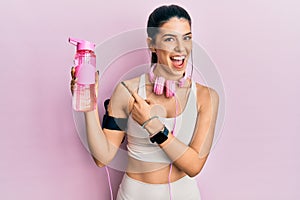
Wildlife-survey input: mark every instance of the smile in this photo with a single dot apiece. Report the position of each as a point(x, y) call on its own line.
point(177, 58)
point(177, 61)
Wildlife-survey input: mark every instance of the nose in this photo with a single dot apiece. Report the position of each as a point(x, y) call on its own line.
point(179, 46)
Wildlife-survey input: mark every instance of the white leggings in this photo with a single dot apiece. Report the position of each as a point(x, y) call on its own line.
point(185, 188)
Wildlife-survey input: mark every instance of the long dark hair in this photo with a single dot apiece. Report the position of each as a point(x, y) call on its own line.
point(160, 16)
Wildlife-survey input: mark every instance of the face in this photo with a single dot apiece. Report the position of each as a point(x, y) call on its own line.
point(173, 45)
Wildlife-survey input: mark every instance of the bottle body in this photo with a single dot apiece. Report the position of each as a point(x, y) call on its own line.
point(84, 95)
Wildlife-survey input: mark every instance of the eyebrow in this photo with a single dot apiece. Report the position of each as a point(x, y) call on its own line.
point(168, 34)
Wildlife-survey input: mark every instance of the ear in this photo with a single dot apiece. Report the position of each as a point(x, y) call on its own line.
point(151, 44)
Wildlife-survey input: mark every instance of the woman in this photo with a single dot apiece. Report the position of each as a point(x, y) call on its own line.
point(169, 132)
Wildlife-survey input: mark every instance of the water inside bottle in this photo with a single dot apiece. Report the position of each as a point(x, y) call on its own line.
point(84, 97)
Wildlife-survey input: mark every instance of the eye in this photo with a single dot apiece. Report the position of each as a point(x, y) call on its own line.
point(169, 39)
point(187, 37)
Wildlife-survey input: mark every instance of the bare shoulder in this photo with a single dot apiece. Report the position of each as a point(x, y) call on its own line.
point(133, 83)
point(121, 90)
point(121, 98)
point(206, 96)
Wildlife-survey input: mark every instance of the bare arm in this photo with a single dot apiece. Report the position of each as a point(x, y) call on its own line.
point(192, 158)
point(104, 143)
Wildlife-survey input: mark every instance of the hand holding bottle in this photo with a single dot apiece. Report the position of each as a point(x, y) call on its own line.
point(74, 79)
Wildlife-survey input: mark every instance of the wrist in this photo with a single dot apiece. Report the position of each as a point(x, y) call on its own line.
point(154, 126)
point(161, 136)
point(168, 141)
point(92, 112)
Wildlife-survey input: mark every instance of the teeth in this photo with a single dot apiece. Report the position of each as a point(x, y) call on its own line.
point(178, 57)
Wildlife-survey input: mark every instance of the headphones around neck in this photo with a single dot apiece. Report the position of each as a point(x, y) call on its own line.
point(160, 83)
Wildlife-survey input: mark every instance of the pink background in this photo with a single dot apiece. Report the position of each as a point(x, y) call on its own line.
point(255, 45)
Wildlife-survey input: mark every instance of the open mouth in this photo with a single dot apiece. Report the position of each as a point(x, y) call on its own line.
point(177, 61)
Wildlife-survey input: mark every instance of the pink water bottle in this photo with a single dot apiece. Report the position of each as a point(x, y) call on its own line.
point(84, 96)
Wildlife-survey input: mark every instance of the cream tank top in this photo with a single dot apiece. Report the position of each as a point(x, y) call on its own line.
point(139, 145)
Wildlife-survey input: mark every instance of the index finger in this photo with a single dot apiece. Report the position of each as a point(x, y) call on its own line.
point(133, 94)
point(73, 72)
point(137, 97)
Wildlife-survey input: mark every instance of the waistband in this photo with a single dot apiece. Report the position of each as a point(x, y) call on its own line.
point(184, 188)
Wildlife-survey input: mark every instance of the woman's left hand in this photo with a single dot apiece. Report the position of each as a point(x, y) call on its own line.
point(141, 109)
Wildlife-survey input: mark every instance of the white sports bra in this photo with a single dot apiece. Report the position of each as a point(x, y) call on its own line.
point(139, 145)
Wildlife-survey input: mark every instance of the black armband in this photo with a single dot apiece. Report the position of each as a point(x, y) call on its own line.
point(112, 123)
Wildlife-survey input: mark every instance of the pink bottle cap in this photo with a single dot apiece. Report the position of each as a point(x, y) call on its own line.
point(82, 44)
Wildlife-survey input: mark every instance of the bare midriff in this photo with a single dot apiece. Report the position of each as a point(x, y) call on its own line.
point(153, 173)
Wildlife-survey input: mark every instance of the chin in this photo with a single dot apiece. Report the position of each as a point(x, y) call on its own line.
point(180, 68)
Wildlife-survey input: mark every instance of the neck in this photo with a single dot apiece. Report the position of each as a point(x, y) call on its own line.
point(167, 73)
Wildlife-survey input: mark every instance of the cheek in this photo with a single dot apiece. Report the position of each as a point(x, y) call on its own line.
point(162, 54)
point(166, 47)
point(189, 46)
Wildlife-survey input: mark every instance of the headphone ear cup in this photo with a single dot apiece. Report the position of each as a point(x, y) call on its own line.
point(170, 88)
point(159, 84)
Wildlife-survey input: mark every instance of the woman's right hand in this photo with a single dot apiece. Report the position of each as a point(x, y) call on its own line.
point(96, 83)
point(73, 80)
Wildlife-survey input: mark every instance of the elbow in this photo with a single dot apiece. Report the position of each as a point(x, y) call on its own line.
point(197, 168)
point(194, 172)
point(100, 163)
